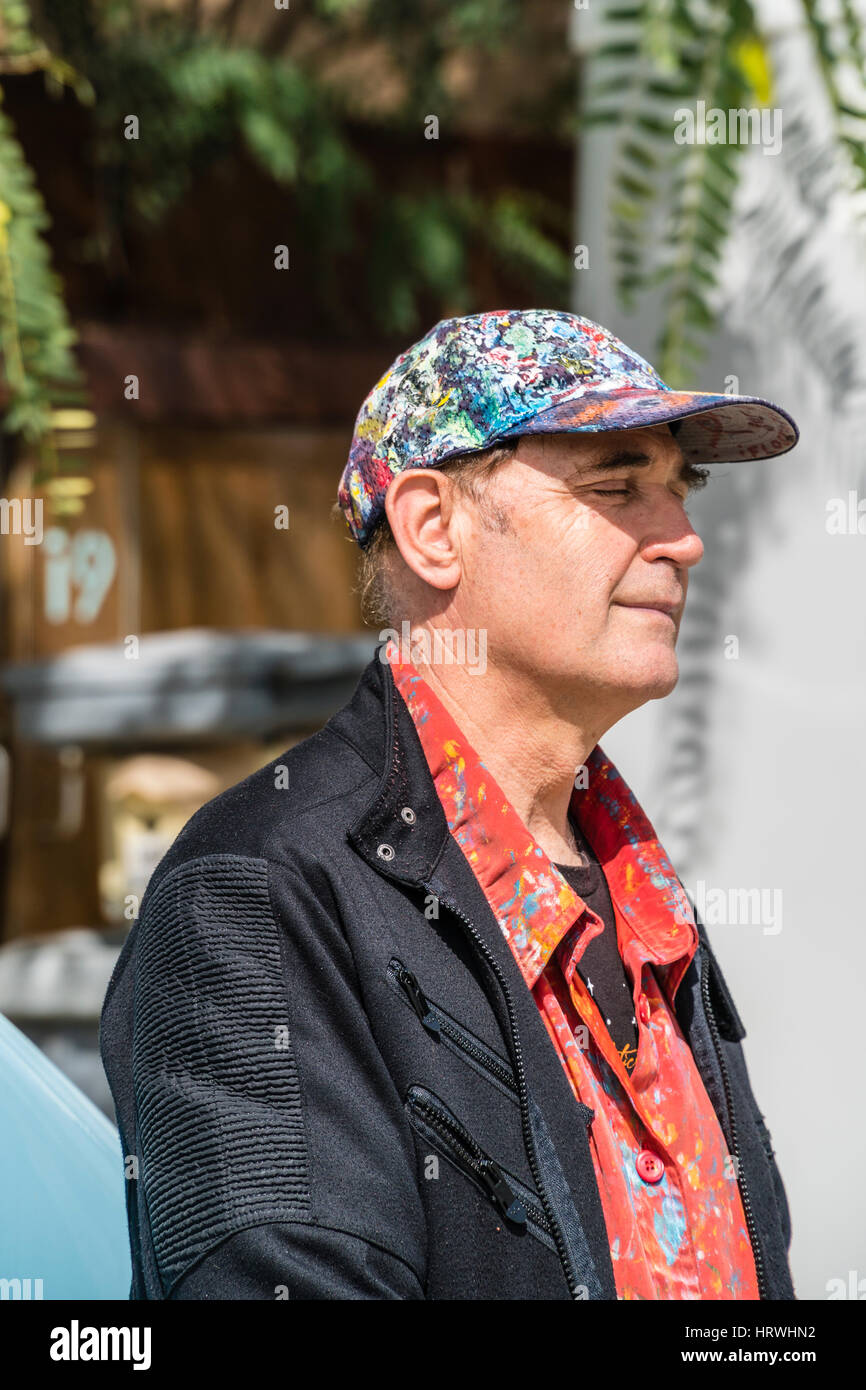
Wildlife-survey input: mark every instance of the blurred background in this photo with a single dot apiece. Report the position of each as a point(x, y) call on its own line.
point(220, 221)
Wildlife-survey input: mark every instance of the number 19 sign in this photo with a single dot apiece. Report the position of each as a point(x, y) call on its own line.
point(79, 570)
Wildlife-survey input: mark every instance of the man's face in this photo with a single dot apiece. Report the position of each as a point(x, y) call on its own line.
point(583, 583)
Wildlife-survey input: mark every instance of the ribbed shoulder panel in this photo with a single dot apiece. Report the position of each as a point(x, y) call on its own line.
point(217, 1091)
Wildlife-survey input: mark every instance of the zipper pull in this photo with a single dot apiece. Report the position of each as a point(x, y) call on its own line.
point(419, 1002)
point(510, 1206)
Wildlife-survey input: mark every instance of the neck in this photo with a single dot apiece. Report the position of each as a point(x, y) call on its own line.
point(532, 747)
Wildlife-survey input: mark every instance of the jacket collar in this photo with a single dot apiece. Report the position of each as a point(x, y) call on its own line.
point(404, 831)
point(533, 904)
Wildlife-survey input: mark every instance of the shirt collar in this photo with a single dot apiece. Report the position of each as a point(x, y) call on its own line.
point(531, 900)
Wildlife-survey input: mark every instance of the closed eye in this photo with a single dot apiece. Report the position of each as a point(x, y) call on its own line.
point(632, 491)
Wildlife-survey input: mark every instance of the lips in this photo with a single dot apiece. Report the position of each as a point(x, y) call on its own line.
point(668, 606)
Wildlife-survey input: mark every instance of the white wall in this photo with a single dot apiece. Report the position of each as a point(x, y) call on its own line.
point(776, 797)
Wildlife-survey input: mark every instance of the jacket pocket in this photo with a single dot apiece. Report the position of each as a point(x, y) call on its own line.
point(457, 1038)
point(439, 1126)
point(453, 1035)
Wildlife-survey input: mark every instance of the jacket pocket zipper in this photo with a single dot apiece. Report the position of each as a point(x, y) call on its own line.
point(510, 1197)
point(440, 1023)
point(554, 1211)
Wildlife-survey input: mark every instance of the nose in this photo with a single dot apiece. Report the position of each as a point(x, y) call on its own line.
point(671, 536)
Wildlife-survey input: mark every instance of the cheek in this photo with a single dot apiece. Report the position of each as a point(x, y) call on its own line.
point(570, 570)
point(498, 586)
point(598, 561)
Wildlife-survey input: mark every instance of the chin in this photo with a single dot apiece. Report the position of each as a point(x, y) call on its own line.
point(664, 689)
point(655, 681)
point(665, 683)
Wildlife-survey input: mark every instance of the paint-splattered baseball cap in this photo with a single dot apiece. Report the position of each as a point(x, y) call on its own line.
point(476, 381)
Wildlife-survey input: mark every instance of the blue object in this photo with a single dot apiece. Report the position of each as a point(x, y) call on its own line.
point(62, 1199)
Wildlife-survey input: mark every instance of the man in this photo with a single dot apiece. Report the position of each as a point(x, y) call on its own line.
point(421, 1010)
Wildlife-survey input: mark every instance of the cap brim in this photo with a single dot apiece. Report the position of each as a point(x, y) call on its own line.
point(716, 428)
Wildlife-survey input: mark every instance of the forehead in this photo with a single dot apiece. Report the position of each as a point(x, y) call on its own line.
point(566, 453)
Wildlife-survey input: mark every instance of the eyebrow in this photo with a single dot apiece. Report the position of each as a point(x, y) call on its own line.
point(631, 458)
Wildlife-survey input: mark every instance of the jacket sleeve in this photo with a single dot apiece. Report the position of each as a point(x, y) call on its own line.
point(273, 1161)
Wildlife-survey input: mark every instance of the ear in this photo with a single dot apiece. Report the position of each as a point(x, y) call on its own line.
point(419, 505)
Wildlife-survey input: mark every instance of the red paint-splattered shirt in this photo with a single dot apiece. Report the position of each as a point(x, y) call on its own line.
point(682, 1235)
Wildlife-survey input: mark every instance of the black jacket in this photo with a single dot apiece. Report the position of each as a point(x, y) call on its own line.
point(328, 1069)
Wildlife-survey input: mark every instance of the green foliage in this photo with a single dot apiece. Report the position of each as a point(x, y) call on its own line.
point(197, 90)
point(840, 45)
point(433, 237)
point(36, 336)
point(671, 204)
point(35, 332)
point(202, 84)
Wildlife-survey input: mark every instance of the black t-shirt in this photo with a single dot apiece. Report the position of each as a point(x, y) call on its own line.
point(601, 965)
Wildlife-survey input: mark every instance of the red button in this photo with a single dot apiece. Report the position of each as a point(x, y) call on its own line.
point(643, 1009)
point(649, 1166)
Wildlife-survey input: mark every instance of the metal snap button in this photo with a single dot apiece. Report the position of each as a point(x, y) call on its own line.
point(385, 851)
point(408, 815)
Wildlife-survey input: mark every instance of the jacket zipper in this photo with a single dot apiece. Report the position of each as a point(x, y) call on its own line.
point(741, 1177)
point(437, 1022)
point(520, 1072)
point(469, 1154)
point(417, 997)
